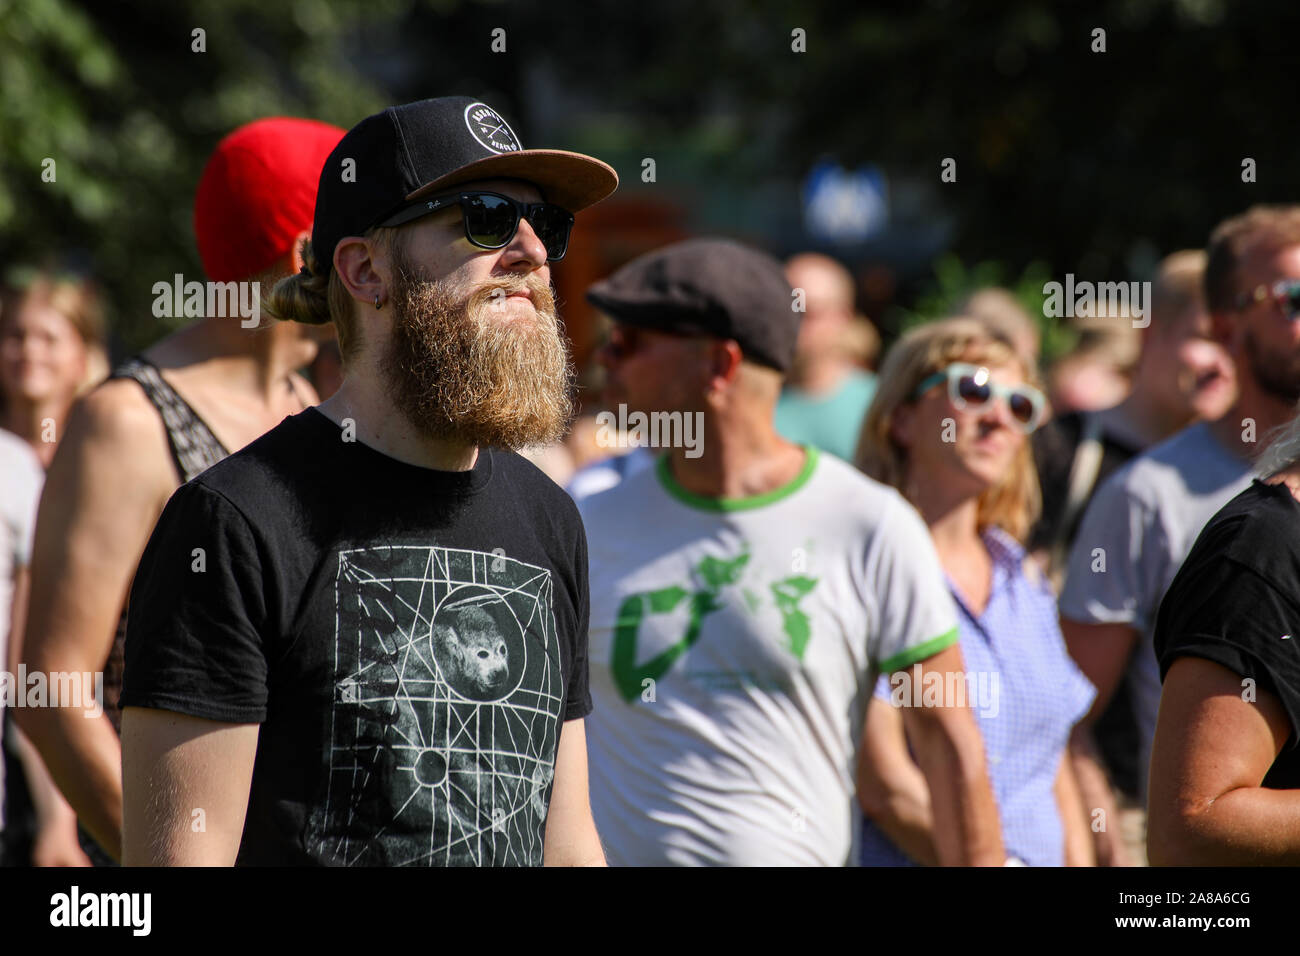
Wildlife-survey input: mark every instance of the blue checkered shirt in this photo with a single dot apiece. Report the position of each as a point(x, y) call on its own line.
point(1040, 695)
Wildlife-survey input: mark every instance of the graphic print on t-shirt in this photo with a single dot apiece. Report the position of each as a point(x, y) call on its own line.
point(714, 575)
point(446, 710)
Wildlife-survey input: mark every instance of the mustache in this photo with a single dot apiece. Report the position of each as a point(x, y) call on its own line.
point(412, 279)
point(493, 292)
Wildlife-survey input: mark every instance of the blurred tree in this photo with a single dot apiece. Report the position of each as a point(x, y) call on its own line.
point(1086, 161)
point(119, 99)
point(1082, 159)
point(953, 282)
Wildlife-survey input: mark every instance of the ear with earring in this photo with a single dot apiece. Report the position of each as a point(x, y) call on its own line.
point(377, 300)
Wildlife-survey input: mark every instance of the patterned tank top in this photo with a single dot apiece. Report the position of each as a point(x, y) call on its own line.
point(194, 449)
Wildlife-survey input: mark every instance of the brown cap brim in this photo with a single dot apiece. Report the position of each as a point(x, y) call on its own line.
point(567, 179)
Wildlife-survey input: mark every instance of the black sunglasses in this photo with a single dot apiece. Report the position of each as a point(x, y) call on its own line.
point(1285, 293)
point(626, 340)
point(491, 219)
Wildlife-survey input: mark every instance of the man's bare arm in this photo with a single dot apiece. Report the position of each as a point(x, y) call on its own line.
point(1096, 792)
point(1102, 652)
point(106, 487)
point(1079, 850)
point(571, 838)
point(1212, 749)
point(891, 787)
point(950, 752)
point(178, 771)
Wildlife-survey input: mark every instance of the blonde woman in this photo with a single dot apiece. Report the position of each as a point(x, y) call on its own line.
point(948, 428)
point(51, 351)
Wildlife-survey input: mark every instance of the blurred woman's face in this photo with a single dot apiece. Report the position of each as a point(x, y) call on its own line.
point(42, 356)
point(972, 447)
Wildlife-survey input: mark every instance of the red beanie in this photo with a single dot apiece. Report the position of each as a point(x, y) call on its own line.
point(257, 192)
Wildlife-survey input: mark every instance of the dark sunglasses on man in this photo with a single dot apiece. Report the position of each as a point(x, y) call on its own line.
point(1285, 293)
point(491, 219)
point(624, 340)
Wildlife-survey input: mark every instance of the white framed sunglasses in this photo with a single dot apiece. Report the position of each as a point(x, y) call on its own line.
point(971, 388)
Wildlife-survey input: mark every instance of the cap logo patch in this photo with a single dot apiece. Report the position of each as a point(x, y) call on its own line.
point(487, 126)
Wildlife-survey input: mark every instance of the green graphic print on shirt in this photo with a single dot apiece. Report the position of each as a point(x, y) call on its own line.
point(714, 574)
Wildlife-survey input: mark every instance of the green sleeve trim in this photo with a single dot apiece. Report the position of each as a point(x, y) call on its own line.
point(663, 468)
point(919, 653)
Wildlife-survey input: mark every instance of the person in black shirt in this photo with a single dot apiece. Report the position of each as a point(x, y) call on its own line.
point(362, 639)
point(1225, 766)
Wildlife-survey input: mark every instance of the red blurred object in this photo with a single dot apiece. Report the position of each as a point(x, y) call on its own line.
point(257, 192)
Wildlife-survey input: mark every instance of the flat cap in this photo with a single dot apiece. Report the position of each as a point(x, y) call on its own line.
point(714, 287)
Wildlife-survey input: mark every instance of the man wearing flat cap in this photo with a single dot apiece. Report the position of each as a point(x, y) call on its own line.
point(362, 640)
point(744, 594)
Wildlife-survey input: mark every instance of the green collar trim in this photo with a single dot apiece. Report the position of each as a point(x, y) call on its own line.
point(703, 503)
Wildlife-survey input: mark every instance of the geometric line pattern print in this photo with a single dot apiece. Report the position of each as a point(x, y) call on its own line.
point(446, 710)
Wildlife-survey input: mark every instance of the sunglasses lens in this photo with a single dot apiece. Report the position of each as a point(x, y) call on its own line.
point(552, 225)
point(622, 342)
point(490, 221)
point(1022, 407)
point(973, 391)
point(1292, 299)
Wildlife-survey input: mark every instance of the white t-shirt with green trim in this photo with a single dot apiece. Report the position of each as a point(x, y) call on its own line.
point(733, 645)
point(21, 479)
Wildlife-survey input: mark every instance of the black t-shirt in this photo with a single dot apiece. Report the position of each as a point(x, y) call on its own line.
point(410, 641)
point(1236, 602)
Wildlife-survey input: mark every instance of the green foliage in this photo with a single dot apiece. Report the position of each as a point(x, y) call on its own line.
point(116, 96)
point(1064, 156)
point(953, 282)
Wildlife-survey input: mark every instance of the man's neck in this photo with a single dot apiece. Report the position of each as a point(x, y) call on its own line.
point(1141, 420)
point(364, 403)
point(1248, 426)
point(741, 458)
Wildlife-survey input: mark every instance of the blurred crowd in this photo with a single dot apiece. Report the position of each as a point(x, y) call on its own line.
point(1056, 505)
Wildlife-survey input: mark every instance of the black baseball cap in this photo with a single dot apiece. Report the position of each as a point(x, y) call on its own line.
point(419, 149)
point(713, 287)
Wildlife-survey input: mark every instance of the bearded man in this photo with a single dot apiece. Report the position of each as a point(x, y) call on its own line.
point(362, 639)
point(1142, 522)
